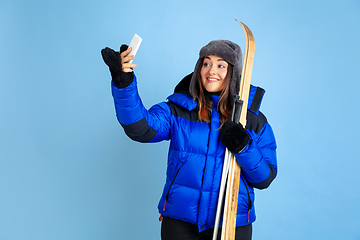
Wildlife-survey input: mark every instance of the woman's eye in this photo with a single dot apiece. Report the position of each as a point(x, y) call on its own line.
point(222, 66)
point(206, 64)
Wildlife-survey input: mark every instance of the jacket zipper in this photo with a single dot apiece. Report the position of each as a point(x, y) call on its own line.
point(168, 192)
point(249, 203)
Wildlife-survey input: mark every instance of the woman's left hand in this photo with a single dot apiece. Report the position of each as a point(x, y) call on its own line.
point(234, 136)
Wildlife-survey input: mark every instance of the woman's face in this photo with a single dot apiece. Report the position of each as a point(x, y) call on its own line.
point(213, 73)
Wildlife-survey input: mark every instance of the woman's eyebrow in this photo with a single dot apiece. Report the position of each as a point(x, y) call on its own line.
point(220, 59)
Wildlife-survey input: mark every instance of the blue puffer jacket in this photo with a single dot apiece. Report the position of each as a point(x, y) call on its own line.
point(196, 153)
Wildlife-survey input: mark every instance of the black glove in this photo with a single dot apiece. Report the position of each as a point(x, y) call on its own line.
point(234, 136)
point(113, 60)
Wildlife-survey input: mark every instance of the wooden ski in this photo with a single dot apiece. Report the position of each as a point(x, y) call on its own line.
point(232, 187)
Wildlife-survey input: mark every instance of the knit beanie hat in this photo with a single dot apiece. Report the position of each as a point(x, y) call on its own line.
point(231, 53)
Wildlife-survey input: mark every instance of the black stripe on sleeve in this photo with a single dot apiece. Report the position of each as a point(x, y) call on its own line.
point(266, 183)
point(140, 131)
point(255, 105)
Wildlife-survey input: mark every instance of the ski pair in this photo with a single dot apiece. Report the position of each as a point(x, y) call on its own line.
point(229, 185)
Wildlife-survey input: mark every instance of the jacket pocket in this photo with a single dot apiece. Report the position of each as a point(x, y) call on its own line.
point(248, 196)
point(172, 182)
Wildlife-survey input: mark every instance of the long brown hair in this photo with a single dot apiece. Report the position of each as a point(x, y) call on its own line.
point(205, 104)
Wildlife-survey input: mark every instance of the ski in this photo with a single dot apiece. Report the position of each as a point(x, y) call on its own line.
point(231, 169)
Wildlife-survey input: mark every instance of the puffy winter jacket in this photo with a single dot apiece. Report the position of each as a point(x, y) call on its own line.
point(196, 154)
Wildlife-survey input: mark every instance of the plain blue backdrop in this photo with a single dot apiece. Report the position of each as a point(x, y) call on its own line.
point(67, 170)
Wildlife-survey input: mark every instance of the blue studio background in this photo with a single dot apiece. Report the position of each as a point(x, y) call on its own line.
point(67, 170)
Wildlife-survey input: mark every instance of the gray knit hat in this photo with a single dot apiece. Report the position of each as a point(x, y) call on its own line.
point(231, 53)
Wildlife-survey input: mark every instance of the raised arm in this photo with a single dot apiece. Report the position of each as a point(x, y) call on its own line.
point(139, 123)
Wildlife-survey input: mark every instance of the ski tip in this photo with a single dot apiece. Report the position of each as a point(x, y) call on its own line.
point(241, 23)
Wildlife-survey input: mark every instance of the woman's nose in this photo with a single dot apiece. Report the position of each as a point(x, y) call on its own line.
point(212, 70)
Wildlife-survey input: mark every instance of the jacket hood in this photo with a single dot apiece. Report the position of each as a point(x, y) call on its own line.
point(181, 95)
point(183, 85)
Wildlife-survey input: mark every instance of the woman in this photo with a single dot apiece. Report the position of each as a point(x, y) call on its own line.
point(195, 120)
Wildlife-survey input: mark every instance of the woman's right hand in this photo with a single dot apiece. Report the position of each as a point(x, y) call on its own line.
point(121, 70)
point(126, 66)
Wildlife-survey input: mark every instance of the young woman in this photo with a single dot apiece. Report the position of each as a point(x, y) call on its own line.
point(195, 120)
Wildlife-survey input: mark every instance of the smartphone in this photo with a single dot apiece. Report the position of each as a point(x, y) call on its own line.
point(135, 44)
